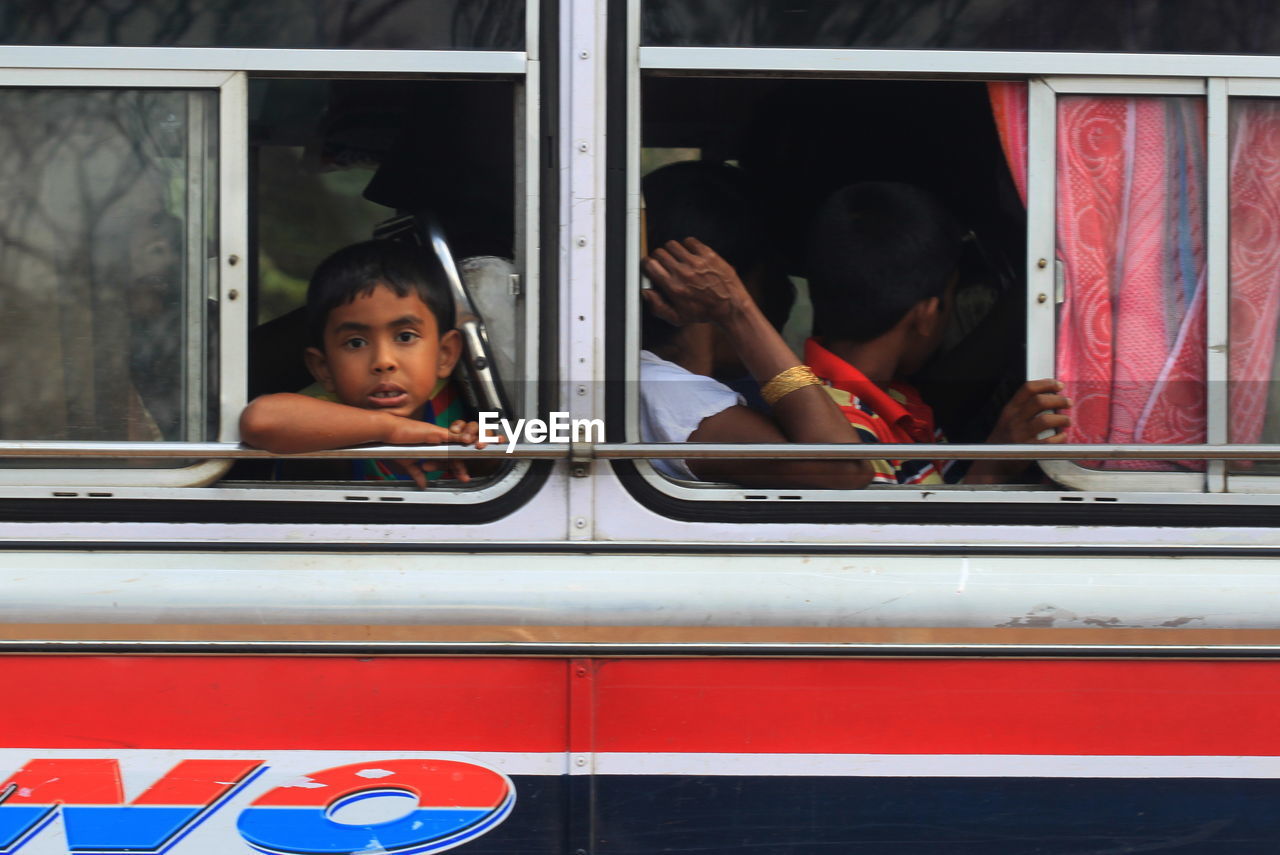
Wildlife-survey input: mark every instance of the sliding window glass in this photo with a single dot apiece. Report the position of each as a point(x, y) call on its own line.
point(109, 274)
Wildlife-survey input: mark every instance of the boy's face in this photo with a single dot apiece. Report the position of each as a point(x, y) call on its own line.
point(383, 352)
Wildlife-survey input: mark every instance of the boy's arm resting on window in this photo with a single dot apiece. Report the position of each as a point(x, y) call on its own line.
point(288, 423)
point(697, 285)
point(1029, 413)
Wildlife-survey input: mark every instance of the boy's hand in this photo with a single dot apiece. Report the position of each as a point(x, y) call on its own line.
point(1030, 412)
point(693, 284)
point(1023, 419)
point(411, 432)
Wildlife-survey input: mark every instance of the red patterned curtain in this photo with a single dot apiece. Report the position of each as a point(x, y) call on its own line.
point(1130, 236)
point(1255, 261)
point(1131, 209)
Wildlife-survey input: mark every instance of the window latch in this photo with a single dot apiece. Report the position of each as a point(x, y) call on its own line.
point(581, 456)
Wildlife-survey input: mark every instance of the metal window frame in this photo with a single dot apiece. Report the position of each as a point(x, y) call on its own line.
point(320, 61)
point(165, 67)
point(232, 234)
point(1048, 74)
point(583, 46)
point(1229, 89)
point(981, 64)
point(1042, 175)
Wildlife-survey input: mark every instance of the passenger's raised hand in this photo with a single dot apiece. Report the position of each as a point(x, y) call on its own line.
point(1030, 412)
point(693, 284)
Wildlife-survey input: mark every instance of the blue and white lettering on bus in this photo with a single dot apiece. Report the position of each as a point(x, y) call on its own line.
point(275, 803)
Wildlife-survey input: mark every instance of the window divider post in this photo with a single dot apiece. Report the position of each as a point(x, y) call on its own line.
point(1218, 279)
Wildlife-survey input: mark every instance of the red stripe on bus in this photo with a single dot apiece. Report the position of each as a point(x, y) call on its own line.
point(657, 705)
point(939, 707)
point(248, 703)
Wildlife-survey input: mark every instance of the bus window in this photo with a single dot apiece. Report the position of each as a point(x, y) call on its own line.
point(335, 160)
point(1131, 331)
point(107, 284)
point(1225, 26)
point(393, 25)
point(137, 257)
point(795, 142)
point(1254, 371)
point(1164, 333)
point(1117, 201)
point(1120, 195)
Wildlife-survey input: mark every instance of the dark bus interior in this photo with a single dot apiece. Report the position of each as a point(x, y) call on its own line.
point(331, 159)
point(801, 139)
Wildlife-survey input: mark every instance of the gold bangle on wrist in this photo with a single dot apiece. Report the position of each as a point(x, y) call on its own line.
point(787, 381)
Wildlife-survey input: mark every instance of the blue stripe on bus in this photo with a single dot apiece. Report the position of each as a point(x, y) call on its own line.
point(929, 816)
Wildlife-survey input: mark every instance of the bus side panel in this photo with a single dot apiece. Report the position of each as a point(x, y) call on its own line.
point(791, 756)
point(636, 755)
point(209, 755)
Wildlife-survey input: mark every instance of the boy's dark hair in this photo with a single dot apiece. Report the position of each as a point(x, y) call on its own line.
point(875, 250)
point(716, 204)
point(357, 270)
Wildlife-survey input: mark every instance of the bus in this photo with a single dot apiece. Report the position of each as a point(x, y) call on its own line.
point(580, 654)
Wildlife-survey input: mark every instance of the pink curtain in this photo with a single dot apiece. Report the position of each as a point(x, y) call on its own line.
point(1009, 109)
point(1130, 214)
point(1255, 261)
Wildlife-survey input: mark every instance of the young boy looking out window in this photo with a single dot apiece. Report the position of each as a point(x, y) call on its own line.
point(882, 265)
point(383, 346)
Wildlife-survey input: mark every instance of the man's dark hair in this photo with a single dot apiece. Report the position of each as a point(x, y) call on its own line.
point(356, 270)
point(716, 204)
point(875, 250)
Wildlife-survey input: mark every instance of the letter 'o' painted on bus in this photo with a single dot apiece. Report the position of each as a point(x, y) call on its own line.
point(456, 802)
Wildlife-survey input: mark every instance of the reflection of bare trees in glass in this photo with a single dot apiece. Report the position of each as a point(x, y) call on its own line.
point(489, 22)
point(391, 24)
point(867, 23)
point(90, 272)
point(1173, 26)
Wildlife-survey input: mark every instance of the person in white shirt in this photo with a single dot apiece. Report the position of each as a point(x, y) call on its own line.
point(701, 319)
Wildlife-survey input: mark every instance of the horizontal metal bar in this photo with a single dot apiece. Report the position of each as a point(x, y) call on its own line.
point(1253, 87)
point(267, 60)
point(953, 62)
point(650, 450)
point(835, 451)
point(131, 78)
point(1125, 86)
point(675, 649)
point(235, 451)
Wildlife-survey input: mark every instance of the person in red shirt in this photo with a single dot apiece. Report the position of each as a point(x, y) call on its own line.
point(882, 261)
